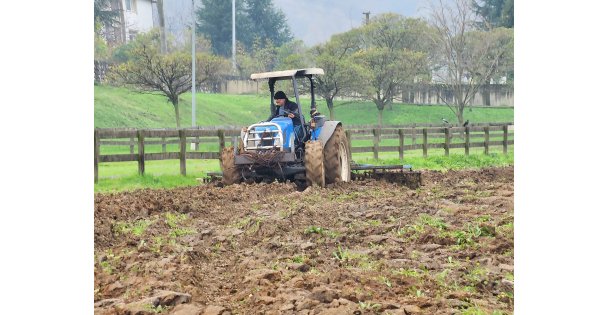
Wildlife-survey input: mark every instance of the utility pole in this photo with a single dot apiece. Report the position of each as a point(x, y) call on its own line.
point(193, 146)
point(233, 35)
point(161, 20)
point(366, 17)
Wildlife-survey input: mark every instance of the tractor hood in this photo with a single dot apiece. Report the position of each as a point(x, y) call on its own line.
point(279, 129)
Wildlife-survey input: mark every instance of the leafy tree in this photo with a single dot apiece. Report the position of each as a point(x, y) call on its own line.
point(102, 51)
point(261, 59)
point(343, 75)
point(388, 70)
point(465, 58)
point(293, 55)
point(393, 54)
point(149, 71)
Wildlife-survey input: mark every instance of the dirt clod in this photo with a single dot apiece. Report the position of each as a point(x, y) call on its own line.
point(363, 247)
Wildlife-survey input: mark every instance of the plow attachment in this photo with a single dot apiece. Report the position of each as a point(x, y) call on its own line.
point(400, 174)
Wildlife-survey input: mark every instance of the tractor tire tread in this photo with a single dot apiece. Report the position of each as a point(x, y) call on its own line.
point(331, 153)
point(313, 162)
point(230, 172)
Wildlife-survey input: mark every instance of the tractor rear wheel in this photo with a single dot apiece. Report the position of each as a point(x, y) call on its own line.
point(313, 162)
point(336, 153)
point(230, 172)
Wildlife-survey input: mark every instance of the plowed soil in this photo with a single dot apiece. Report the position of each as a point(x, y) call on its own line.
point(364, 247)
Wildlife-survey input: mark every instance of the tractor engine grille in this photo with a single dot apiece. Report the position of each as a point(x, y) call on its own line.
point(263, 136)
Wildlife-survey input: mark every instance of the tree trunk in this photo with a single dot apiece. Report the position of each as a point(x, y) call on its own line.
point(330, 106)
point(380, 118)
point(460, 115)
point(176, 113)
point(485, 93)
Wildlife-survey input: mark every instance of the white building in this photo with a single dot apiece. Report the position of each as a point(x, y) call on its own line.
point(139, 16)
point(135, 16)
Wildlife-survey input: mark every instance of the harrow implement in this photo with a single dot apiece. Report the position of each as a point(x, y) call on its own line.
point(400, 174)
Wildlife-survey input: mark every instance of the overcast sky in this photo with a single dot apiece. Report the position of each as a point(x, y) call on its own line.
point(314, 21)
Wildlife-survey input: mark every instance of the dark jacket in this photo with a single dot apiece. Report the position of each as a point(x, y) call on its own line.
point(290, 106)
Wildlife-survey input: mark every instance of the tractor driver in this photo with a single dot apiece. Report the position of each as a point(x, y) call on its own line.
point(284, 105)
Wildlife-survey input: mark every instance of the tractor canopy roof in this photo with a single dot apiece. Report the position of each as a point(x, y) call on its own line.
point(287, 74)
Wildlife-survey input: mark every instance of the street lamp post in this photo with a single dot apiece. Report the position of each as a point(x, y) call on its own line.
point(193, 145)
point(233, 35)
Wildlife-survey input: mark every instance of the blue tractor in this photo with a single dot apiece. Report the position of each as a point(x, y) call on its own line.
point(315, 155)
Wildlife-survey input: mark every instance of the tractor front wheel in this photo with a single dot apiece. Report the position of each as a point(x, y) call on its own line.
point(230, 172)
point(313, 162)
point(337, 162)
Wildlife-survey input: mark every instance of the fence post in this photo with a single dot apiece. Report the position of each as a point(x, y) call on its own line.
point(414, 132)
point(425, 142)
point(96, 141)
point(164, 144)
point(505, 137)
point(401, 135)
point(446, 131)
point(222, 140)
point(140, 150)
point(197, 141)
point(131, 145)
point(467, 140)
point(486, 142)
point(350, 145)
point(182, 152)
point(376, 140)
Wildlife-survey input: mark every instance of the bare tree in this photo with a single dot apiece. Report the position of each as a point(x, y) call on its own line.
point(170, 74)
point(465, 58)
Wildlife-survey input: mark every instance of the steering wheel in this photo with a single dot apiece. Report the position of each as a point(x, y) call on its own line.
point(287, 112)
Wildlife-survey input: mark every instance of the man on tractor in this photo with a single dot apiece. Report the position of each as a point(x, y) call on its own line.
point(285, 107)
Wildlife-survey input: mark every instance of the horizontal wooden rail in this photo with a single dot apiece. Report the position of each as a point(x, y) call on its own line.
point(431, 135)
point(423, 137)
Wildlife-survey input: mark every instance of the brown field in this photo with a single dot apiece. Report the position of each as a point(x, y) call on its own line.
point(364, 247)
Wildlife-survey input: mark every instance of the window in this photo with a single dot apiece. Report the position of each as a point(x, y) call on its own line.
point(132, 35)
point(131, 5)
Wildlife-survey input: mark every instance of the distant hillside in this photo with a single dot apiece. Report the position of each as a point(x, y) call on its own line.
point(120, 107)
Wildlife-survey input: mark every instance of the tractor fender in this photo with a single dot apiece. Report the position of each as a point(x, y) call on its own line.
point(327, 130)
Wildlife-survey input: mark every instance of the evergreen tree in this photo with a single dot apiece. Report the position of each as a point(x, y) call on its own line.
point(255, 20)
point(214, 20)
point(265, 22)
point(494, 13)
point(103, 14)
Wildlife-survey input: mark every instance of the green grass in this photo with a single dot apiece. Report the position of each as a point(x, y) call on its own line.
point(120, 107)
point(437, 161)
point(119, 176)
point(134, 182)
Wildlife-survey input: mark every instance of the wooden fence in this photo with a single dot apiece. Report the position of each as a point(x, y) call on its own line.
point(420, 137)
